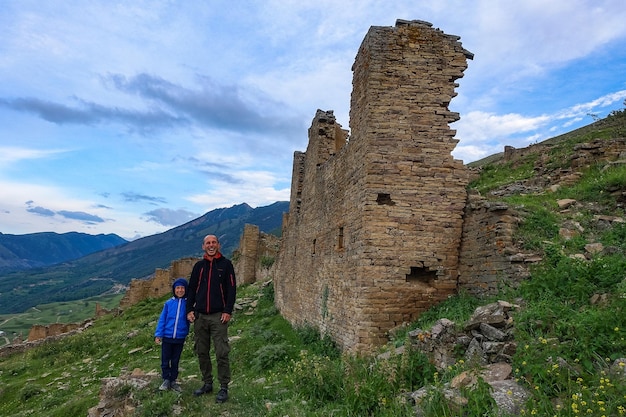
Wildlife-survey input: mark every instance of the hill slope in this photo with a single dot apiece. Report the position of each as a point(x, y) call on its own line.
point(98, 272)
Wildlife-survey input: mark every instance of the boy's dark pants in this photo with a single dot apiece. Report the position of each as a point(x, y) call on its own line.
point(170, 357)
point(209, 327)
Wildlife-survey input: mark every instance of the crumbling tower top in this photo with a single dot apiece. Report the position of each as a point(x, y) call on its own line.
point(374, 227)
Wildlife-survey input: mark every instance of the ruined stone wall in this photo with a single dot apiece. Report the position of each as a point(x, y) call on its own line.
point(269, 247)
point(584, 154)
point(255, 255)
point(247, 254)
point(489, 258)
point(42, 331)
point(373, 234)
point(160, 284)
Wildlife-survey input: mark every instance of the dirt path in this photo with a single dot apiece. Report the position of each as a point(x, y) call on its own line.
point(6, 321)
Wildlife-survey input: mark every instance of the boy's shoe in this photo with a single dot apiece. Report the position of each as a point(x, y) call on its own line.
point(222, 395)
point(176, 386)
point(165, 385)
point(206, 388)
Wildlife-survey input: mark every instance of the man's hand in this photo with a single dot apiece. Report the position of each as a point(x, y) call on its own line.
point(191, 317)
point(226, 318)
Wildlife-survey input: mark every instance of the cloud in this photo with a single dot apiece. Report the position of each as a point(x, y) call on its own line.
point(135, 197)
point(52, 112)
point(206, 165)
point(11, 154)
point(222, 176)
point(70, 215)
point(167, 105)
point(214, 170)
point(258, 188)
point(229, 107)
point(480, 126)
point(486, 133)
point(168, 217)
point(41, 211)
point(81, 216)
point(527, 38)
point(585, 109)
point(86, 113)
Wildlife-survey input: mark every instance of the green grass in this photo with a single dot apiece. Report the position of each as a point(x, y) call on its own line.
point(572, 327)
point(279, 370)
point(493, 176)
point(601, 185)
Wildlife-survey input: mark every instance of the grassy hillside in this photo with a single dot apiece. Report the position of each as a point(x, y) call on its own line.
point(18, 325)
point(613, 126)
point(570, 329)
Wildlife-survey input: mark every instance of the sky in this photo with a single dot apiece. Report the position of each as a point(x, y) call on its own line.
point(134, 117)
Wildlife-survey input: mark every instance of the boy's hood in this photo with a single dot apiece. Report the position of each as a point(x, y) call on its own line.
point(179, 282)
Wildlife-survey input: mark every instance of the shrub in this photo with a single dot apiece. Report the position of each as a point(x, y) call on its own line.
point(267, 261)
point(319, 345)
point(318, 378)
point(267, 294)
point(269, 356)
point(30, 390)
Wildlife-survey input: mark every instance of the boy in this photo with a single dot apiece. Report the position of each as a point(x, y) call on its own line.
point(171, 331)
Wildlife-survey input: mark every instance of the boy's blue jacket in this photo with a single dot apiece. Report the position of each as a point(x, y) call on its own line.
point(173, 322)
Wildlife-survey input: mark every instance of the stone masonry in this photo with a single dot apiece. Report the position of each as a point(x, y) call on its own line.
point(255, 255)
point(489, 258)
point(160, 284)
point(375, 222)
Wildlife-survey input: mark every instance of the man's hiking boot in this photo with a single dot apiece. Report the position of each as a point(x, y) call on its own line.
point(165, 385)
point(222, 395)
point(206, 388)
point(176, 386)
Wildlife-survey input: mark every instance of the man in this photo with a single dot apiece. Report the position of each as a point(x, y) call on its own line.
point(210, 303)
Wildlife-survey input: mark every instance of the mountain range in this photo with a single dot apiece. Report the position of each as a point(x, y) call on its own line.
point(19, 252)
point(64, 274)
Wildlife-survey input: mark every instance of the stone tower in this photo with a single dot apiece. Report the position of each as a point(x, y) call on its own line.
point(375, 220)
